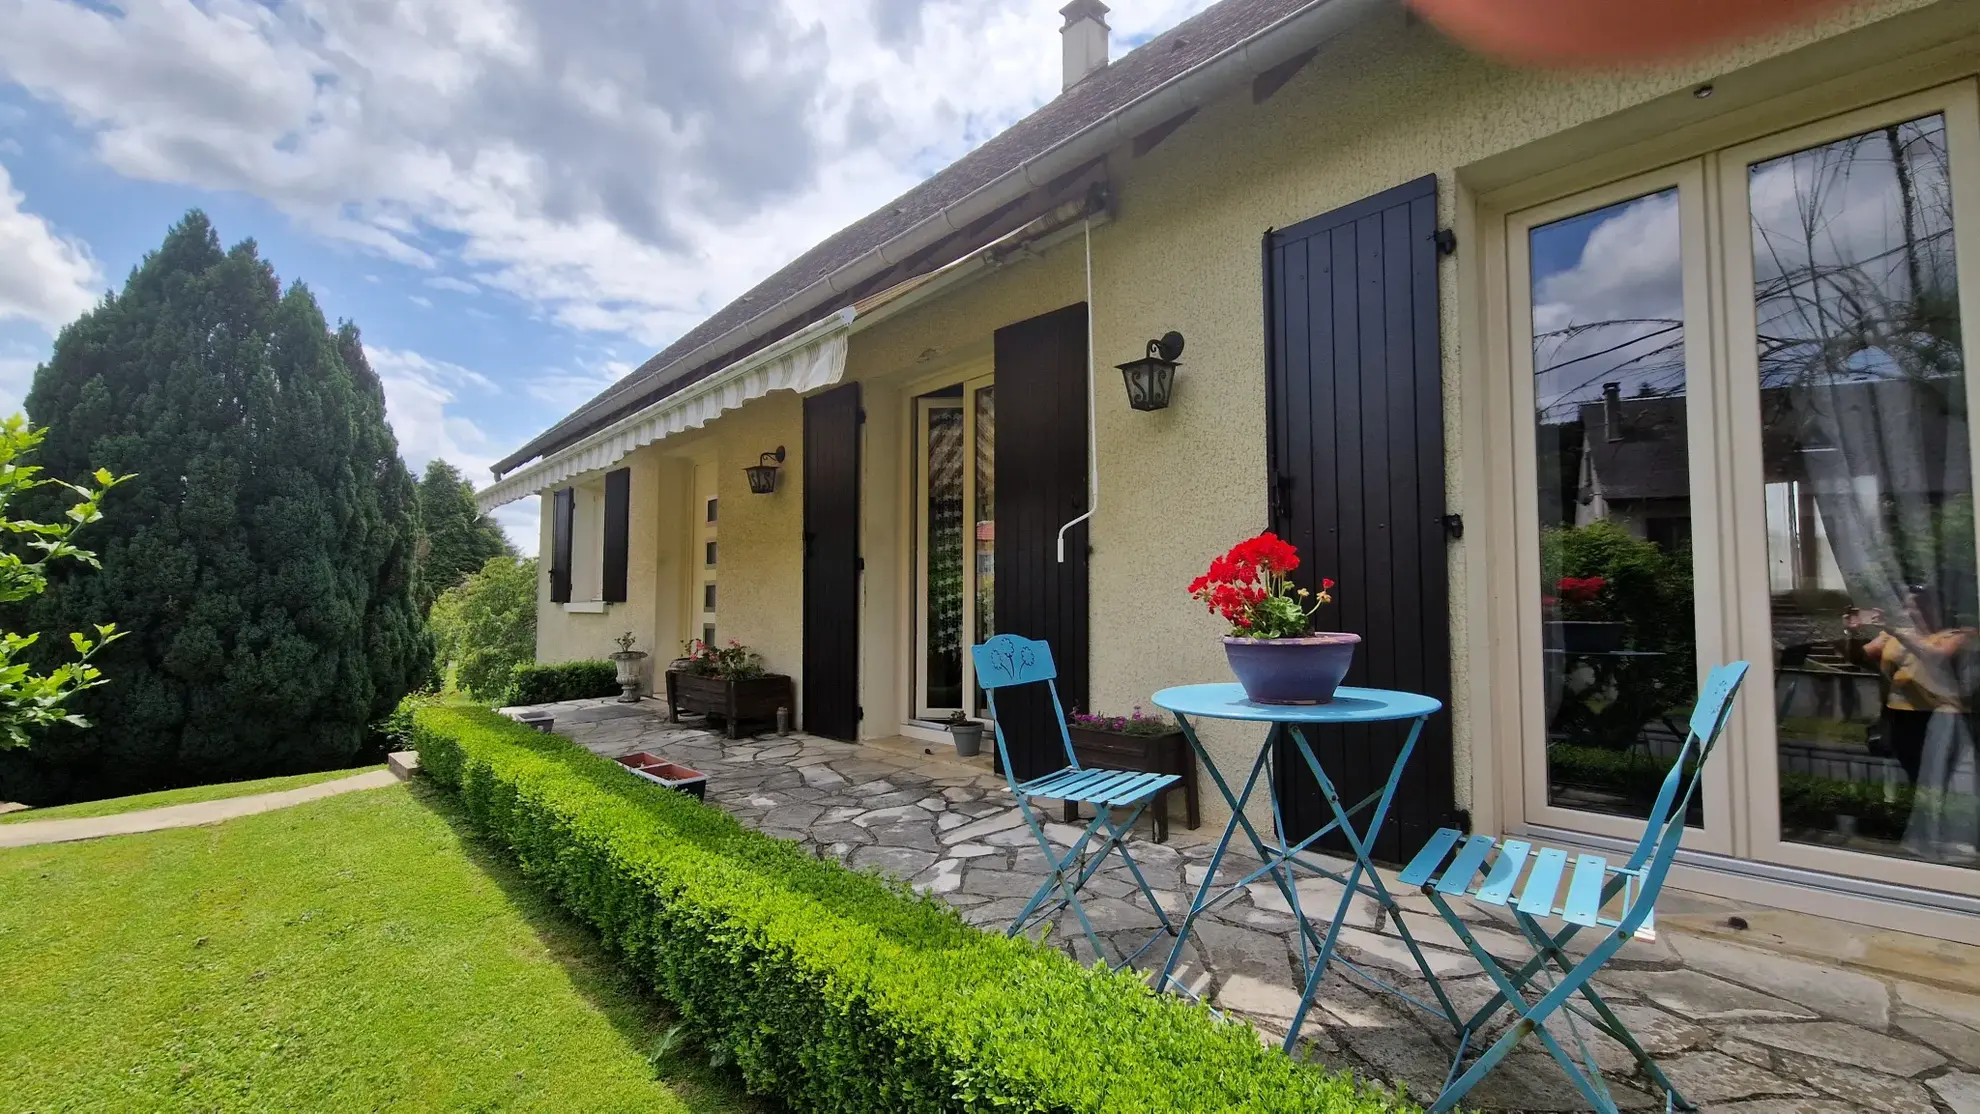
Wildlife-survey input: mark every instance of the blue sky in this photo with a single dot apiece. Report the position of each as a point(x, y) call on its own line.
point(517, 200)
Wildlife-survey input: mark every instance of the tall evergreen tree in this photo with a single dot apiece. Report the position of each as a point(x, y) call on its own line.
point(458, 538)
point(262, 560)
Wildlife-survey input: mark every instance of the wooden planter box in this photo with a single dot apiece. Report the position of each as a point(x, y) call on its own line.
point(754, 700)
point(1155, 754)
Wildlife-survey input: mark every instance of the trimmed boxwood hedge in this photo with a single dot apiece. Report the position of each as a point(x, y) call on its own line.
point(841, 991)
point(567, 680)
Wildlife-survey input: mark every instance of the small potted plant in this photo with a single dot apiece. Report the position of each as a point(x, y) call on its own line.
point(727, 683)
point(1578, 621)
point(628, 660)
point(967, 734)
point(1272, 647)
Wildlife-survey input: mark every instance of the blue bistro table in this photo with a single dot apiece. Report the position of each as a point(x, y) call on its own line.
point(1279, 859)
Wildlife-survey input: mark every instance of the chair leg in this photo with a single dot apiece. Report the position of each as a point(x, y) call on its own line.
point(1057, 878)
point(1533, 1015)
point(1609, 1023)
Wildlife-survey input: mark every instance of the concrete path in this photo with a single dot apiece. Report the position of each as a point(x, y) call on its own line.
point(1740, 1029)
point(27, 833)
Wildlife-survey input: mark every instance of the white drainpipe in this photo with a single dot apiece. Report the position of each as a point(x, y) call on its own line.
point(1092, 425)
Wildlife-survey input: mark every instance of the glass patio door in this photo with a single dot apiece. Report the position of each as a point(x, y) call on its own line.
point(955, 544)
point(1619, 614)
point(1848, 364)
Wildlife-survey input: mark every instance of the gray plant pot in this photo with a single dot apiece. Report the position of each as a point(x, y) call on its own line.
point(968, 738)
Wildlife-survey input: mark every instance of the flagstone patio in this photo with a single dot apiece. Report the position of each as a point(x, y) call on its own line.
point(1737, 1028)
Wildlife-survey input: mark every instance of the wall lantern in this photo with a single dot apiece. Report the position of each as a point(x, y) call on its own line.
point(1151, 378)
point(763, 474)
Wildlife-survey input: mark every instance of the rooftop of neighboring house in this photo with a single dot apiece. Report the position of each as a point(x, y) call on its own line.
point(1898, 430)
point(794, 293)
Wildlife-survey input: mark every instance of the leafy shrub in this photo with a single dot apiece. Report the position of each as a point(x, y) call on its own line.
point(486, 625)
point(569, 680)
point(841, 991)
point(397, 728)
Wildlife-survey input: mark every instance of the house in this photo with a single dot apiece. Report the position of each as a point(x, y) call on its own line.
point(1396, 268)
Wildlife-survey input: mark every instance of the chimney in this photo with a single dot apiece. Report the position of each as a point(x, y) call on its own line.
point(1612, 410)
point(1084, 39)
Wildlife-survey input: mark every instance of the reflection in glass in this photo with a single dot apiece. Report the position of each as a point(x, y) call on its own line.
point(943, 518)
point(1869, 497)
point(1619, 650)
point(985, 532)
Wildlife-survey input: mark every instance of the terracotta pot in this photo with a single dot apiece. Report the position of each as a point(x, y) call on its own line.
point(1291, 670)
point(1594, 32)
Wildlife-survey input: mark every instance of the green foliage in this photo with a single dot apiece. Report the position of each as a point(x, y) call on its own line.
point(456, 539)
point(1649, 592)
point(734, 662)
point(398, 727)
point(485, 626)
point(263, 554)
point(346, 956)
point(569, 680)
point(834, 990)
point(29, 699)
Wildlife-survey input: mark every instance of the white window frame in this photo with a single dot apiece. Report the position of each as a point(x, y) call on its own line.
point(1727, 477)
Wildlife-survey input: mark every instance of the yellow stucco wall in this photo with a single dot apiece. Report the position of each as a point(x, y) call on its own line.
point(1384, 104)
point(760, 584)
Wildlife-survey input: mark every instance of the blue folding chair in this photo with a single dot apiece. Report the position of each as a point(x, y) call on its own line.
point(1591, 887)
point(1006, 661)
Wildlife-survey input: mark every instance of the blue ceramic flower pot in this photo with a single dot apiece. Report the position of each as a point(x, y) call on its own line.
point(1291, 670)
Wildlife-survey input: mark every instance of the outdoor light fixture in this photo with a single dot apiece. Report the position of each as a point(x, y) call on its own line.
point(1151, 378)
point(763, 474)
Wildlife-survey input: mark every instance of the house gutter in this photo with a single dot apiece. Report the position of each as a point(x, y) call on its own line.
point(1277, 43)
point(1022, 243)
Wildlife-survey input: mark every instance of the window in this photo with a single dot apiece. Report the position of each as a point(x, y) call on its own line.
point(711, 509)
point(708, 597)
point(708, 555)
point(1748, 439)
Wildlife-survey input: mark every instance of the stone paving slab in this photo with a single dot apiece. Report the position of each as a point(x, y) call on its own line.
point(1739, 1029)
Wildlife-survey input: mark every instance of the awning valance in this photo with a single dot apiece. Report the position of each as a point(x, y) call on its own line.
point(807, 360)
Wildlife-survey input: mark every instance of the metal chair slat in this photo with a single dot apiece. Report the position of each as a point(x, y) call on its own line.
point(1424, 865)
point(1460, 873)
point(1543, 883)
point(1498, 884)
point(1584, 896)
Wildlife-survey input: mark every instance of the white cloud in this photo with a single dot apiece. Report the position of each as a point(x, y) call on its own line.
point(622, 167)
point(449, 282)
point(420, 300)
point(418, 392)
point(521, 520)
point(17, 364)
point(45, 277)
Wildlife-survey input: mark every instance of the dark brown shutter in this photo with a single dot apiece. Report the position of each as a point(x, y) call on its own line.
point(831, 563)
point(563, 511)
point(1355, 408)
point(1042, 485)
point(618, 505)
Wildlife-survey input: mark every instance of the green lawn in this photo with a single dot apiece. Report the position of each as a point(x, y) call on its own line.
point(111, 806)
point(353, 953)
